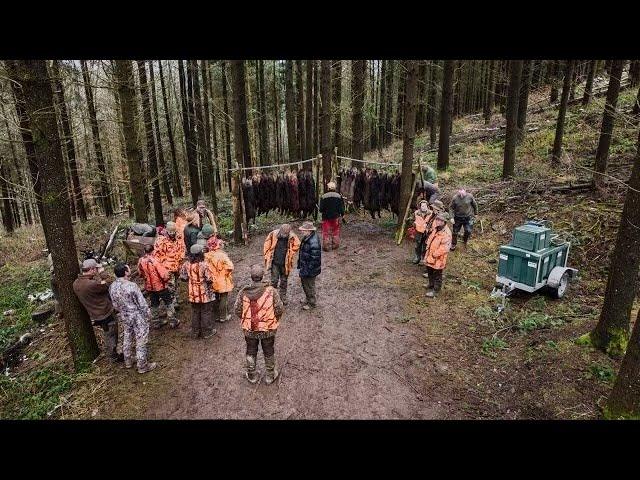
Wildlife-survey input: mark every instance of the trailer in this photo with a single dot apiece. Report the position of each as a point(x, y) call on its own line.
point(535, 259)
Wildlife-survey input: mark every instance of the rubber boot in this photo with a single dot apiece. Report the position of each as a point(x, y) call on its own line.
point(147, 367)
point(272, 372)
point(251, 369)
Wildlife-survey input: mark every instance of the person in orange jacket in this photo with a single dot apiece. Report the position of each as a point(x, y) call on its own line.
point(180, 219)
point(169, 249)
point(197, 272)
point(420, 222)
point(279, 249)
point(221, 268)
point(435, 259)
point(156, 281)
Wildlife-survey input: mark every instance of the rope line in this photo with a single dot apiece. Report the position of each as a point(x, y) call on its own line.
point(277, 165)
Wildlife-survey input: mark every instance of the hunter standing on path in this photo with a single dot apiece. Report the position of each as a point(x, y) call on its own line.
point(201, 295)
point(169, 249)
point(420, 221)
point(191, 231)
point(438, 245)
point(134, 314)
point(279, 249)
point(309, 262)
point(93, 293)
point(221, 268)
point(203, 215)
point(260, 309)
point(332, 209)
point(463, 208)
point(156, 281)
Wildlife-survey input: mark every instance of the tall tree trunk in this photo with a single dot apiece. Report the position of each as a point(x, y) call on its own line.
point(188, 125)
point(130, 126)
point(612, 331)
point(240, 111)
point(197, 147)
point(422, 93)
point(105, 192)
point(39, 109)
point(316, 110)
point(68, 140)
point(382, 101)
point(624, 400)
point(27, 139)
point(276, 116)
point(491, 85)
point(214, 128)
point(177, 184)
point(523, 98)
point(557, 142)
point(589, 84)
point(262, 112)
point(164, 171)
point(336, 86)
point(432, 114)
point(204, 153)
point(446, 114)
point(402, 74)
point(227, 118)
point(515, 78)
point(325, 120)
point(302, 148)
point(289, 99)
point(608, 120)
point(555, 69)
point(409, 134)
point(308, 140)
point(207, 134)
point(357, 100)
point(7, 217)
point(389, 106)
point(151, 144)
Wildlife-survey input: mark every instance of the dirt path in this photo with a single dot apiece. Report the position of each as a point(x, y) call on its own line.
point(354, 357)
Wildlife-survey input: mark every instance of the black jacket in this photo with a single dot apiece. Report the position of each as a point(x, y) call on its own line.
point(190, 236)
point(310, 256)
point(331, 206)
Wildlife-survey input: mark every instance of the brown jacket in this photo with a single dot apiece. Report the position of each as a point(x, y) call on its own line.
point(93, 293)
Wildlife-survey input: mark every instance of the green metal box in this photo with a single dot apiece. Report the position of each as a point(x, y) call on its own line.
point(532, 238)
point(531, 269)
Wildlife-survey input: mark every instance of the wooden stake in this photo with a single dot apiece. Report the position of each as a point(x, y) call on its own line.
point(406, 212)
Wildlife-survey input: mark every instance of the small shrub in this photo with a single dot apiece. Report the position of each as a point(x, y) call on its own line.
point(602, 373)
point(491, 345)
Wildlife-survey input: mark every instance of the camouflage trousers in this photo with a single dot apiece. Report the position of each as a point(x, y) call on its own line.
point(135, 327)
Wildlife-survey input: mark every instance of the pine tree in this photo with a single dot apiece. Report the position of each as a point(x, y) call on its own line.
point(515, 77)
point(446, 114)
point(562, 111)
point(357, 101)
point(409, 114)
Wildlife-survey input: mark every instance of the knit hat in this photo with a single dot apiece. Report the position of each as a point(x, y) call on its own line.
point(214, 243)
point(171, 227)
point(207, 230)
point(307, 227)
point(196, 249)
point(331, 185)
point(257, 270)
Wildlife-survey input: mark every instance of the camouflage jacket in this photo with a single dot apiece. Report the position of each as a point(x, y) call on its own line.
point(127, 299)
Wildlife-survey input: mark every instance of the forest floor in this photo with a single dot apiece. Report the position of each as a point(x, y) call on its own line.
point(376, 347)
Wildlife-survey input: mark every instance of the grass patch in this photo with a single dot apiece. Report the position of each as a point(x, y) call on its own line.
point(16, 282)
point(35, 395)
point(491, 346)
point(602, 373)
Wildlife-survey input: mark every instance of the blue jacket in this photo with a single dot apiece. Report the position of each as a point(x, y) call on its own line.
point(310, 256)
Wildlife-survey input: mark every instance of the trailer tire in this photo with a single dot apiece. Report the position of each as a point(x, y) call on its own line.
point(560, 290)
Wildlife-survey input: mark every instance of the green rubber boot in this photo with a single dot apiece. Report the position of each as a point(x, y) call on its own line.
point(251, 369)
point(272, 372)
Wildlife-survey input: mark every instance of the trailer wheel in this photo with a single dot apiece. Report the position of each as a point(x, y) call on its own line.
point(560, 290)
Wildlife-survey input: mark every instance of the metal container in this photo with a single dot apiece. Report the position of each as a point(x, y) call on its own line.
point(531, 237)
point(529, 270)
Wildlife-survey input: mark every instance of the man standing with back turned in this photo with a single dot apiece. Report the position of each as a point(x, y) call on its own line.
point(332, 209)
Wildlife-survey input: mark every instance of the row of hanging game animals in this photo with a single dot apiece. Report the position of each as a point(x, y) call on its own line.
point(288, 193)
point(294, 194)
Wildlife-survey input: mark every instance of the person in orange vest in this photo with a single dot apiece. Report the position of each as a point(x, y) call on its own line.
point(156, 281)
point(196, 271)
point(260, 309)
point(169, 249)
point(279, 250)
point(222, 268)
point(420, 222)
point(180, 219)
point(435, 259)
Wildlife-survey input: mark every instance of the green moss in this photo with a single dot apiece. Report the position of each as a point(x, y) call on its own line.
point(618, 341)
point(584, 340)
point(610, 414)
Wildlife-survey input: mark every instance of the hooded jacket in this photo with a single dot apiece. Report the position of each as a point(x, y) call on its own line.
point(438, 245)
point(221, 268)
point(169, 252)
point(310, 258)
point(153, 272)
point(259, 306)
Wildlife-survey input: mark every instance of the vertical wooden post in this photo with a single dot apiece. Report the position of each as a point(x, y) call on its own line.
point(318, 162)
